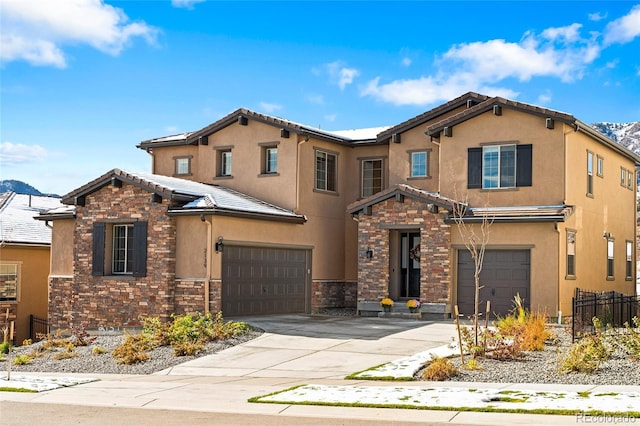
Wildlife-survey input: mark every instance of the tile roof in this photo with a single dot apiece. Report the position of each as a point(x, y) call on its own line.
point(403, 189)
point(192, 197)
point(17, 213)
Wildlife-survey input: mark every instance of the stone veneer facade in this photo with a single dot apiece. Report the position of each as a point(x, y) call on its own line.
point(333, 294)
point(435, 241)
point(118, 300)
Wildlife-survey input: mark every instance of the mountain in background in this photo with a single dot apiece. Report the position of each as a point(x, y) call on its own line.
point(20, 187)
point(626, 134)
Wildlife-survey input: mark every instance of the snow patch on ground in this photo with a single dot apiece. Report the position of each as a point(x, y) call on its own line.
point(40, 383)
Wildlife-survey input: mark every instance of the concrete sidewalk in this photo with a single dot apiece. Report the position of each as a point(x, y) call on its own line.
point(294, 350)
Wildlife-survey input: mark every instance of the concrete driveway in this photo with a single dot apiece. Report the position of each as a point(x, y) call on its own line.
point(319, 347)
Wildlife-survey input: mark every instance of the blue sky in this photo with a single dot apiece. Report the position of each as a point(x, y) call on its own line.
point(83, 81)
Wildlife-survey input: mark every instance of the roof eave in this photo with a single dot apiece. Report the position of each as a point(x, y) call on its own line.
point(508, 219)
point(239, 214)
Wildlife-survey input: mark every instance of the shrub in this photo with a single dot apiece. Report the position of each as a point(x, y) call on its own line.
point(133, 349)
point(585, 355)
point(98, 350)
point(439, 369)
point(22, 360)
point(65, 355)
point(630, 339)
point(4, 347)
point(27, 342)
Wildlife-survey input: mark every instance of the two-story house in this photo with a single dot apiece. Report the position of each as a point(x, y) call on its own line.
point(256, 215)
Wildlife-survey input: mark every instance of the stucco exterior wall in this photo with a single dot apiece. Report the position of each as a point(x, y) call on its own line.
point(62, 247)
point(400, 162)
point(542, 240)
point(511, 127)
point(33, 264)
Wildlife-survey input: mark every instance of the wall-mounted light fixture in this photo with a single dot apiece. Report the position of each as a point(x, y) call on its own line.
point(369, 253)
point(219, 246)
point(606, 235)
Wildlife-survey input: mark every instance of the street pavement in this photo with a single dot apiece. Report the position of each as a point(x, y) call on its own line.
point(294, 350)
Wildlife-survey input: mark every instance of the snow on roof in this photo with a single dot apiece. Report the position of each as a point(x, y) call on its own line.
point(360, 134)
point(17, 223)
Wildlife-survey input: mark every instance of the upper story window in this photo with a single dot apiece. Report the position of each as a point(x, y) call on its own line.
point(629, 179)
point(419, 163)
point(326, 171)
point(623, 176)
point(589, 173)
point(499, 166)
point(9, 281)
point(269, 159)
point(600, 166)
point(371, 180)
point(224, 162)
point(182, 165)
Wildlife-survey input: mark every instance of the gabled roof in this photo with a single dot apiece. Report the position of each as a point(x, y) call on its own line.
point(487, 105)
point(347, 137)
point(469, 98)
point(406, 191)
point(17, 213)
point(190, 197)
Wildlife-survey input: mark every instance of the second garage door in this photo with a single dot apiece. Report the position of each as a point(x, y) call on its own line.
point(505, 273)
point(264, 280)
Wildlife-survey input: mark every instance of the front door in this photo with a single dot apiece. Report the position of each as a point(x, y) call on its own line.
point(410, 265)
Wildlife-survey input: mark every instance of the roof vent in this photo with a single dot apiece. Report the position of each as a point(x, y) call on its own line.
point(549, 123)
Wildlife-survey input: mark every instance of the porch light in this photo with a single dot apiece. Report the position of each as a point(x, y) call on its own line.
point(219, 245)
point(369, 253)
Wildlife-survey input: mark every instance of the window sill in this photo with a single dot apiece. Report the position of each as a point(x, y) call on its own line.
point(628, 279)
point(418, 177)
point(9, 302)
point(179, 175)
point(570, 277)
point(268, 174)
point(222, 177)
point(322, 191)
point(126, 277)
point(611, 278)
point(515, 188)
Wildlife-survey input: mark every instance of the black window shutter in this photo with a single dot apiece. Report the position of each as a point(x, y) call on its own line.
point(98, 248)
point(474, 168)
point(524, 165)
point(139, 249)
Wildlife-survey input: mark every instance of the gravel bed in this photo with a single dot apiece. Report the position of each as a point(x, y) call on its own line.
point(86, 362)
point(543, 367)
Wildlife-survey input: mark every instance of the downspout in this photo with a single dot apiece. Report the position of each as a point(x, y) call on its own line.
point(208, 260)
point(433, 141)
point(306, 139)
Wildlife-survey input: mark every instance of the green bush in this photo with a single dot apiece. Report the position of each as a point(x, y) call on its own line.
point(585, 355)
point(4, 347)
point(133, 350)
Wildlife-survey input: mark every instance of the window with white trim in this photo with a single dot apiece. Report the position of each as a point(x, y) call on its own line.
point(589, 173)
point(629, 260)
point(9, 281)
point(600, 166)
point(419, 164)
point(224, 160)
point(182, 165)
point(571, 253)
point(122, 256)
point(610, 258)
point(271, 160)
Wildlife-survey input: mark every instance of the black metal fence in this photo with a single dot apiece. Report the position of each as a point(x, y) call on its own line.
point(38, 328)
point(611, 308)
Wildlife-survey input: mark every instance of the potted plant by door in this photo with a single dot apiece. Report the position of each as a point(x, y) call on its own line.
point(386, 304)
point(413, 305)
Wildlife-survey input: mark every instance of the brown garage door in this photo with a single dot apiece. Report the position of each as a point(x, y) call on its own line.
point(505, 273)
point(263, 280)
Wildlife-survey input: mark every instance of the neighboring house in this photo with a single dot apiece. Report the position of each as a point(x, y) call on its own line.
point(257, 215)
point(24, 260)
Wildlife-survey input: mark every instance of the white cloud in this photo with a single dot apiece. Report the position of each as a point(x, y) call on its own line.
point(35, 31)
point(269, 107)
point(481, 66)
point(545, 97)
point(624, 29)
point(330, 117)
point(315, 99)
point(597, 16)
point(13, 154)
point(340, 74)
point(185, 4)
point(612, 64)
point(406, 61)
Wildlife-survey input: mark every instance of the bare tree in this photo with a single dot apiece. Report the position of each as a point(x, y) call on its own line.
point(475, 239)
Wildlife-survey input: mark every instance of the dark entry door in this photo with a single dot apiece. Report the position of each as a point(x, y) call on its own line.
point(410, 264)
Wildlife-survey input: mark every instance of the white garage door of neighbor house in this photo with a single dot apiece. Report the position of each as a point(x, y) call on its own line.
point(264, 280)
